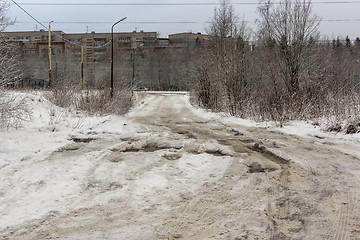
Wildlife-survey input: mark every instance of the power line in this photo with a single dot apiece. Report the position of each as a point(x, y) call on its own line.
point(342, 20)
point(168, 4)
point(86, 22)
point(66, 40)
point(160, 22)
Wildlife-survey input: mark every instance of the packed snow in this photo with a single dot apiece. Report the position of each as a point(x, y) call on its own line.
point(54, 164)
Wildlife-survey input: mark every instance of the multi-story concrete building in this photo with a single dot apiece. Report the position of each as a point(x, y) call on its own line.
point(188, 38)
point(36, 42)
point(140, 58)
point(100, 43)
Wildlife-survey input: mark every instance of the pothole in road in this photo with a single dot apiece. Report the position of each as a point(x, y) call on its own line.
point(186, 133)
point(172, 156)
point(236, 144)
point(82, 140)
point(77, 144)
point(255, 167)
point(152, 145)
point(268, 154)
point(249, 145)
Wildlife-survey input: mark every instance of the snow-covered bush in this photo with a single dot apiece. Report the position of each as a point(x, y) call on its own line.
point(100, 102)
point(13, 110)
point(91, 101)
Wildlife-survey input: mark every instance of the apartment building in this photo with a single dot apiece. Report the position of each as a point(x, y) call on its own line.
point(188, 38)
point(100, 43)
point(141, 58)
point(35, 43)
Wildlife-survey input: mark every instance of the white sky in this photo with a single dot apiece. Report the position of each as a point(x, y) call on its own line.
point(167, 19)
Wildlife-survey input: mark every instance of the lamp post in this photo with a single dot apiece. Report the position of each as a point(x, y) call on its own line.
point(50, 53)
point(112, 58)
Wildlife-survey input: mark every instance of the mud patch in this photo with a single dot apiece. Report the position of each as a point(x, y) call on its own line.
point(268, 154)
point(153, 147)
point(255, 167)
point(102, 186)
point(214, 148)
point(70, 147)
point(82, 140)
point(115, 158)
point(187, 134)
point(172, 156)
point(236, 144)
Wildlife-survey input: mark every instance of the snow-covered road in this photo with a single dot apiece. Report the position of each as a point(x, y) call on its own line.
point(170, 171)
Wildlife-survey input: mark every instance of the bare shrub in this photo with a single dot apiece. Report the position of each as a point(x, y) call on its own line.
point(100, 102)
point(13, 110)
point(91, 101)
point(62, 96)
point(342, 113)
point(289, 27)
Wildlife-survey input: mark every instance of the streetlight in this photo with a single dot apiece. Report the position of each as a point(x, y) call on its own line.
point(112, 57)
point(50, 53)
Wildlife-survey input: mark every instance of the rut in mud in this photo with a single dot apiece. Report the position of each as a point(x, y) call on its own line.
point(186, 176)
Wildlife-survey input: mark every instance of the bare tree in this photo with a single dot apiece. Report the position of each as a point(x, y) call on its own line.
point(289, 26)
point(4, 19)
point(9, 65)
point(9, 68)
point(228, 64)
point(12, 108)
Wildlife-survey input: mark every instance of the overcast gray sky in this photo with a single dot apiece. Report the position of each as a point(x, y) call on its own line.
point(339, 19)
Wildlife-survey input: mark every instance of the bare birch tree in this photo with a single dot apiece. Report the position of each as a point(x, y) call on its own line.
point(290, 25)
point(12, 108)
point(223, 74)
point(9, 62)
point(10, 72)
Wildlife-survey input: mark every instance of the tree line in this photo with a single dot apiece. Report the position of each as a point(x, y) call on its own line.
point(281, 71)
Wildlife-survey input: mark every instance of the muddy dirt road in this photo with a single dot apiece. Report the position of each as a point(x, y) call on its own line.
point(183, 175)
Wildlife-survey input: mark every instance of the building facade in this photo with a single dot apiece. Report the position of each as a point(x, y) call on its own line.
point(140, 58)
point(35, 43)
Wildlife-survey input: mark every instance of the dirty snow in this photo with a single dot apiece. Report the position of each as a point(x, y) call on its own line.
point(168, 170)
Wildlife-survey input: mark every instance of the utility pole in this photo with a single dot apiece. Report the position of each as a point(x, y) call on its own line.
point(82, 67)
point(133, 70)
point(112, 58)
point(50, 53)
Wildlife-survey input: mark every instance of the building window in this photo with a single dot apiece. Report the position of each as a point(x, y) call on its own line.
point(75, 39)
point(29, 52)
point(98, 42)
point(125, 39)
point(149, 39)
